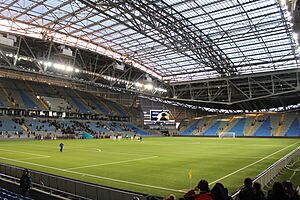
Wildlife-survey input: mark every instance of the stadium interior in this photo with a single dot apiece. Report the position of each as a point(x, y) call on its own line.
point(166, 74)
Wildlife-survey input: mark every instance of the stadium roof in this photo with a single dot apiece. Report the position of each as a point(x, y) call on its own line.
point(173, 40)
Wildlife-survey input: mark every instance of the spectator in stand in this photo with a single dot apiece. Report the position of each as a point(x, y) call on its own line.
point(25, 182)
point(290, 191)
point(277, 192)
point(247, 192)
point(259, 195)
point(219, 192)
point(204, 193)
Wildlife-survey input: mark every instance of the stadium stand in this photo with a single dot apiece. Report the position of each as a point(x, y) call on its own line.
point(294, 129)
point(257, 124)
point(56, 104)
point(264, 129)
point(98, 104)
point(7, 195)
point(190, 129)
point(238, 128)
point(213, 129)
point(138, 130)
point(38, 125)
point(7, 124)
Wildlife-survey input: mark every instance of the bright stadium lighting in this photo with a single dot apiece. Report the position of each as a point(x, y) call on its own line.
point(148, 87)
point(59, 66)
point(47, 64)
point(77, 70)
point(137, 84)
point(161, 90)
point(69, 69)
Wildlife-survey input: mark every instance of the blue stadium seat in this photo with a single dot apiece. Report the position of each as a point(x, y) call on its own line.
point(8, 195)
point(189, 130)
point(35, 124)
point(212, 131)
point(137, 130)
point(264, 129)
point(9, 125)
point(238, 128)
point(99, 105)
point(294, 129)
point(118, 108)
point(96, 127)
point(80, 106)
point(29, 103)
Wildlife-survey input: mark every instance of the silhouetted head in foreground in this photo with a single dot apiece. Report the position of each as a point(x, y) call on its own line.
point(203, 186)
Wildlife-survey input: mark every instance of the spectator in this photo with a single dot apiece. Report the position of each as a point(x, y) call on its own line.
point(204, 193)
point(170, 197)
point(277, 192)
point(219, 192)
point(290, 191)
point(259, 195)
point(25, 182)
point(247, 192)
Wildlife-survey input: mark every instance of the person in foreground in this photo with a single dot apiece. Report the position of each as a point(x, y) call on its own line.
point(219, 192)
point(277, 192)
point(247, 192)
point(25, 182)
point(203, 194)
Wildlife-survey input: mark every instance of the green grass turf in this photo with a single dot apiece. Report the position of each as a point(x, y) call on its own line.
point(156, 166)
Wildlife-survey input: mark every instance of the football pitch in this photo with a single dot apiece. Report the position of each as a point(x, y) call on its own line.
point(157, 165)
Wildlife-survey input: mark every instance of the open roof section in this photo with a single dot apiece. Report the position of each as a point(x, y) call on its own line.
point(176, 40)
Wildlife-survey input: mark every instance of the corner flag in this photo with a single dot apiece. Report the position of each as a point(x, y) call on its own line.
point(190, 174)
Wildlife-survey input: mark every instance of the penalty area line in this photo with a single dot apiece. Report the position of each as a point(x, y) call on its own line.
point(112, 163)
point(94, 176)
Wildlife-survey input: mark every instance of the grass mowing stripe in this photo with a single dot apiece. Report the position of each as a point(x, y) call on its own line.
point(94, 176)
point(32, 154)
point(253, 163)
point(168, 171)
point(112, 163)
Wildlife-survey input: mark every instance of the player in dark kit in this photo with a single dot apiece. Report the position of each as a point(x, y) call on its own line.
point(61, 147)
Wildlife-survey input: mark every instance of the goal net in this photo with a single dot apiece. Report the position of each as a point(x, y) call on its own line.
point(227, 135)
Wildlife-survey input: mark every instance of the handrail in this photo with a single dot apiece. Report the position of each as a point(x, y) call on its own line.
point(271, 172)
point(70, 187)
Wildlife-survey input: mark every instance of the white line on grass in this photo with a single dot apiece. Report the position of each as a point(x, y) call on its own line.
point(252, 163)
point(94, 176)
point(34, 158)
point(22, 152)
point(112, 163)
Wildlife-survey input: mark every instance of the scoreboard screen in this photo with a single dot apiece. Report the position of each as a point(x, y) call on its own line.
point(160, 115)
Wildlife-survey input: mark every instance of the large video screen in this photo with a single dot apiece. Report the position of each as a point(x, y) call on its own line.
point(161, 115)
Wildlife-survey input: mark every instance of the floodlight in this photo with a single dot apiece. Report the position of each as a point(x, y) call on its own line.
point(47, 64)
point(149, 87)
point(69, 69)
point(137, 84)
point(59, 66)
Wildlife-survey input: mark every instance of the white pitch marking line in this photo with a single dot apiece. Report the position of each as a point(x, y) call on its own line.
point(112, 163)
point(34, 158)
point(252, 163)
point(33, 154)
point(248, 165)
point(94, 176)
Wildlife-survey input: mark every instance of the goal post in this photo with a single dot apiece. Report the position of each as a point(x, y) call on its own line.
point(227, 135)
